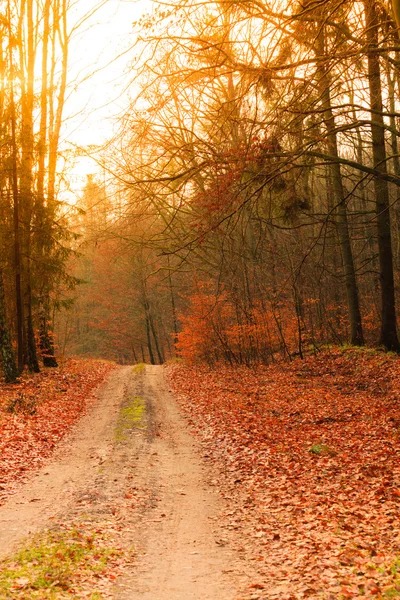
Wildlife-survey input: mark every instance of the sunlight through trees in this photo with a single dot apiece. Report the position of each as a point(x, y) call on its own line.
point(251, 190)
point(261, 145)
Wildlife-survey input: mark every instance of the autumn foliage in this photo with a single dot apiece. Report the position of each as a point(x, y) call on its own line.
point(309, 458)
point(221, 326)
point(216, 329)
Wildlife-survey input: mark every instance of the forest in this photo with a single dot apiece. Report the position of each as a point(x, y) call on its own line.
point(214, 312)
point(254, 203)
point(245, 208)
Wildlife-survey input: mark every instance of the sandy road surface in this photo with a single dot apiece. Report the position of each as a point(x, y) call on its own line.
point(55, 487)
point(174, 528)
point(180, 555)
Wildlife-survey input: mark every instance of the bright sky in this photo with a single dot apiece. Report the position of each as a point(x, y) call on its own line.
point(99, 63)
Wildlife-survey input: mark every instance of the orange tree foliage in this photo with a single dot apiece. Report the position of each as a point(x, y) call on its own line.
point(309, 456)
point(215, 328)
point(121, 290)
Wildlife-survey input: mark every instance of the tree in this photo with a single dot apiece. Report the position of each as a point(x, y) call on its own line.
point(34, 42)
point(388, 335)
point(255, 157)
point(7, 353)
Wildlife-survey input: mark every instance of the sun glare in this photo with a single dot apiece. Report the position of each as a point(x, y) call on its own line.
point(98, 72)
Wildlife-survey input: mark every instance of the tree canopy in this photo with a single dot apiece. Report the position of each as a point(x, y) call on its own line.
point(250, 204)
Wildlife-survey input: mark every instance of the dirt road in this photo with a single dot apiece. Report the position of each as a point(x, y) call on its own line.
point(133, 456)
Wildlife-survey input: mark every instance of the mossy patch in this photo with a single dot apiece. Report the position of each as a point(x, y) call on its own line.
point(321, 450)
point(131, 417)
point(139, 368)
point(52, 565)
point(393, 590)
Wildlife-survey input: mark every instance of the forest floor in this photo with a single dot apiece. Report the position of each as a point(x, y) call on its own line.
point(275, 482)
point(309, 459)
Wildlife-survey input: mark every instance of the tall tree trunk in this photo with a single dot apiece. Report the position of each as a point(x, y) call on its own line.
point(173, 306)
point(16, 211)
point(56, 108)
point(148, 335)
point(27, 72)
point(42, 142)
point(391, 79)
point(388, 335)
point(46, 342)
point(31, 353)
point(43, 218)
point(356, 332)
point(156, 342)
point(134, 354)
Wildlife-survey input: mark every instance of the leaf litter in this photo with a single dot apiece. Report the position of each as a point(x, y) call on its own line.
point(37, 412)
point(308, 455)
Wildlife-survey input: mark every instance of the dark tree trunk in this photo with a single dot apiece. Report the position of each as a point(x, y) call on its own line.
point(148, 335)
point(356, 332)
point(173, 306)
point(134, 354)
point(7, 354)
point(31, 354)
point(16, 216)
point(155, 337)
point(26, 176)
point(388, 335)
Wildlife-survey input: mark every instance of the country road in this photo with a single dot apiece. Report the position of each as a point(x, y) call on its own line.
point(133, 456)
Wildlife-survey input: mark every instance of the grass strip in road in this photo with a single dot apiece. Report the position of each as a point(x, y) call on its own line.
point(131, 417)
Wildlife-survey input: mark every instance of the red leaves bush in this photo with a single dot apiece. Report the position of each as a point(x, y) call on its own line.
point(220, 326)
point(217, 329)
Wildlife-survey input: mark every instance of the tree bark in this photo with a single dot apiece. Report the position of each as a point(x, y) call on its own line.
point(9, 366)
point(46, 342)
point(388, 334)
point(356, 331)
point(148, 335)
point(16, 212)
point(155, 337)
point(56, 111)
point(42, 142)
point(27, 72)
